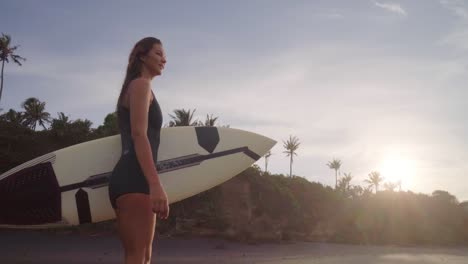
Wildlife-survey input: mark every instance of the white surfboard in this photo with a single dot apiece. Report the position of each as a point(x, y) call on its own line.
point(69, 186)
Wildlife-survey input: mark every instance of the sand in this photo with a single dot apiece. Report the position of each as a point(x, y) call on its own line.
point(40, 247)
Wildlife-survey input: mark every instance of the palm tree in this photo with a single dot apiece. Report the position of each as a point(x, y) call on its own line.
point(335, 165)
point(35, 113)
point(14, 117)
point(82, 126)
point(62, 119)
point(7, 53)
point(374, 180)
point(345, 182)
point(183, 118)
point(291, 146)
point(267, 156)
point(60, 124)
point(345, 187)
point(210, 120)
point(79, 130)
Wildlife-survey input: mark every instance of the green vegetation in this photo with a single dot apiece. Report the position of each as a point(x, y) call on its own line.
point(291, 146)
point(256, 205)
point(7, 53)
point(335, 165)
point(374, 180)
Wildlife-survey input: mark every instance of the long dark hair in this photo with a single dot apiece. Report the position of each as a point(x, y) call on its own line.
point(135, 64)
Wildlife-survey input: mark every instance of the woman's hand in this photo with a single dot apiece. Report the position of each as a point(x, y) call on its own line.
point(159, 201)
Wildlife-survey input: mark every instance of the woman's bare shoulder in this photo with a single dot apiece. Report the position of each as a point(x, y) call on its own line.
point(139, 83)
point(140, 87)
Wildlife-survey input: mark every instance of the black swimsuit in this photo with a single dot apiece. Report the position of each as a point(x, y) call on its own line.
point(127, 176)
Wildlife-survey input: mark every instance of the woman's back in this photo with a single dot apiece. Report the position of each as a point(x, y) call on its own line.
point(155, 120)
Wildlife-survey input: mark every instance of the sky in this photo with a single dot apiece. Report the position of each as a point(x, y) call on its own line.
point(379, 85)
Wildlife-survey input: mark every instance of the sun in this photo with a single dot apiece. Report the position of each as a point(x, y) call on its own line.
point(397, 169)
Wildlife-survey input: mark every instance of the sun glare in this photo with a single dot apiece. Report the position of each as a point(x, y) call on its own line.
point(395, 168)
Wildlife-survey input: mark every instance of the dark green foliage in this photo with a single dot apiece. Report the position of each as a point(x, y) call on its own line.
point(304, 210)
point(19, 143)
point(256, 205)
point(109, 128)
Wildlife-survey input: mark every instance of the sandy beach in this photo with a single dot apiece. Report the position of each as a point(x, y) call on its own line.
point(40, 247)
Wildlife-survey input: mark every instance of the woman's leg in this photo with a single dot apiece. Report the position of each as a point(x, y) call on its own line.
point(149, 246)
point(135, 223)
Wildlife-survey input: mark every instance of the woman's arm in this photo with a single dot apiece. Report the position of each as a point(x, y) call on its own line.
point(140, 97)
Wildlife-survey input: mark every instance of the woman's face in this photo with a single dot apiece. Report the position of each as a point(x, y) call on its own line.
point(155, 60)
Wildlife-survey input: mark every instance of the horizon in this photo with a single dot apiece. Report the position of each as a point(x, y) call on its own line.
point(376, 84)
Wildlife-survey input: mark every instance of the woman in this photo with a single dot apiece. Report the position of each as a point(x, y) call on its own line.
point(135, 190)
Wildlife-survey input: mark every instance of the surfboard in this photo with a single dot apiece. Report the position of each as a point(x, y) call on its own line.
point(69, 186)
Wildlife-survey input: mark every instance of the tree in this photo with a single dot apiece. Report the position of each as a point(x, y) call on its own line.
point(291, 146)
point(7, 53)
point(72, 132)
point(210, 120)
point(374, 180)
point(367, 191)
point(16, 118)
point(182, 117)
point(444, 196)
point(79, 130)
point(355, 191)
point(335, 165)
point(60, 125)
point(110, 122)
point(267, 156)
point(344, 184)
point(35, 113)
point(110, 126)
